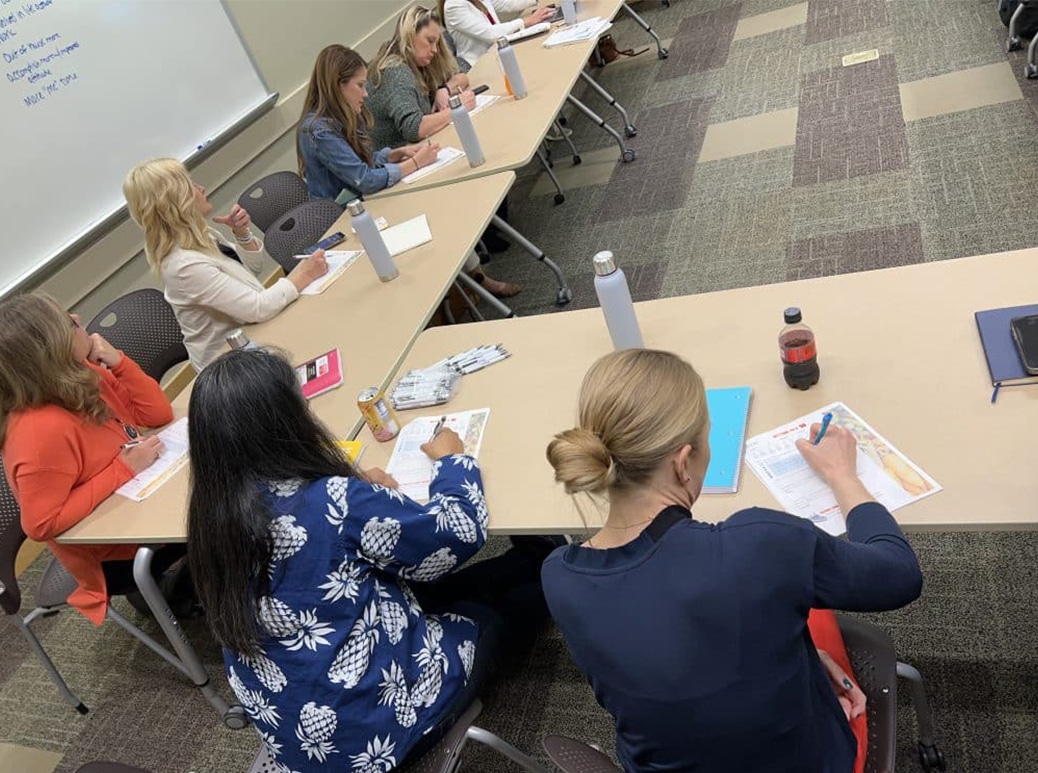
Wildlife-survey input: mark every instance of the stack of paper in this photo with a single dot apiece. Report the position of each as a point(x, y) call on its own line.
point(409, 464)
point(483, 101)
point(529, 32)
point(586, 30)
point(407, 235)
point(446, 156)
point(174, 456)
point(338, 262)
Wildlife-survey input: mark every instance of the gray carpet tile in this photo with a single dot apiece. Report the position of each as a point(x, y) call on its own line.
point(935, 37)
point(757, 7)
point(762, 75)
point(701, 43)
point(829, 19)
point(850, 123)
point(855, 251)
point(850, 205)
point(830, 53)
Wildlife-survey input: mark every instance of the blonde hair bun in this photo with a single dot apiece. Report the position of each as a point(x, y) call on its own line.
point(582, 462)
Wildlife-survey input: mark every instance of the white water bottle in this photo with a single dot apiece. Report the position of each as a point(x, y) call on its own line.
point(569, 11)
point(374, 244)
point(237, 339)
point(509, 63)
point(466, 132)
point(615, 299)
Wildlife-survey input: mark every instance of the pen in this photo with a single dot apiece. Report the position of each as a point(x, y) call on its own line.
point(437, 428)
point(828, 417)
point(131, 444)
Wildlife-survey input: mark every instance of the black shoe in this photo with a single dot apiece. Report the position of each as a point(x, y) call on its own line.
point(495, 243)
point(482, 254)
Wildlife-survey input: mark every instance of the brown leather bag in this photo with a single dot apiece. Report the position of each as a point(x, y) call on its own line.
point(607, 52)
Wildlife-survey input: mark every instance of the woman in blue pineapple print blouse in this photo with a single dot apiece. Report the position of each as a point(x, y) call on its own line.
point(348, 636)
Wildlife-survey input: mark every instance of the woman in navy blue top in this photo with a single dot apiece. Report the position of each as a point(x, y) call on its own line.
point(694, 636)
point(350, 637)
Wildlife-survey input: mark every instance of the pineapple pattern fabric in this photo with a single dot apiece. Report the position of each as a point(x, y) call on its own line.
point(351, 672)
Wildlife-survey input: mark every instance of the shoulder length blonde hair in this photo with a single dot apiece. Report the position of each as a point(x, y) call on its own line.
point(336, 65)
point(38, 367)
point(399, 49)
point(161, 198)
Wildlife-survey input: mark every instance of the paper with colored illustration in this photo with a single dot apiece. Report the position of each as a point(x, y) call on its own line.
point(409, 464)
point(174, 456)
point(889, 475)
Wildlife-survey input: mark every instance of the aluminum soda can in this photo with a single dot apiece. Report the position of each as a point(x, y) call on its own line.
point(378, 413)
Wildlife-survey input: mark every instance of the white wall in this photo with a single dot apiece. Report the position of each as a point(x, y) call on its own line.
point(283, 37)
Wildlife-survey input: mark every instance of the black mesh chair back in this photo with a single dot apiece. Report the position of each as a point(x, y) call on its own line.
point(270, 198)
point(875, 667)
point(11, 539)
point(298, 229)
point(142, 324)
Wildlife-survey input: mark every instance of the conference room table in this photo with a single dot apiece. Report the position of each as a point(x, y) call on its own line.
point(898, 346)
point(372, 323)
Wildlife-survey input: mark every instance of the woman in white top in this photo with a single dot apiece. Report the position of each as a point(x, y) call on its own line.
point(210, 283)
point(475, 25)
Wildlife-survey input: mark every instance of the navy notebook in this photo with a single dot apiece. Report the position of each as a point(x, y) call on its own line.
point(1000, 349)
point(729, 412)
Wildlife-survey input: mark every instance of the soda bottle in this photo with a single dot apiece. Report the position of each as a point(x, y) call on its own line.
point(797, 348)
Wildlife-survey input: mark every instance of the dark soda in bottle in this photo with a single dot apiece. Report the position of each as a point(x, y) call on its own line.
point(797, 348)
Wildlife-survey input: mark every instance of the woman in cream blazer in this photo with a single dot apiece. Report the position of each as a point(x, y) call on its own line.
point(476, 24)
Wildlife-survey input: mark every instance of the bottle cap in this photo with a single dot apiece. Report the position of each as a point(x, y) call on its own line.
point(792, 315)
point(355, 207)
point(605, 264)
point(237, 339)
point(502, 42)
point(455, 101)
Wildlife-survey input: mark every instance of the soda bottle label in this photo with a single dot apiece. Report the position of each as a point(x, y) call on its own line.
point(796, 352)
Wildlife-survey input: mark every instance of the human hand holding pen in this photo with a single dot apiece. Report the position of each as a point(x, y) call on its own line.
point(444, 442)
point(835, 460)
point(141, 454)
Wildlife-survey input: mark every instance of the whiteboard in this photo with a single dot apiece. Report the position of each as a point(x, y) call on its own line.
point(88, 89)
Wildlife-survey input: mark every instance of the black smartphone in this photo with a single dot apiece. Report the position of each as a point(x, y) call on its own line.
point(480, 89)
point(326, 243)
point(1025, 333)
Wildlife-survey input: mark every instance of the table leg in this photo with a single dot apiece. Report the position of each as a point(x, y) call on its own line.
point(565, 295)
point(629, 130)
point(626, 153)
point(661, 52)
point(233, 716)
point(485, 294)
point(568, 140)
point(476, 315)
point(559, 195)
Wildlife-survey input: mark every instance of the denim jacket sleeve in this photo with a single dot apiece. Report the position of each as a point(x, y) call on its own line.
point(335, 153)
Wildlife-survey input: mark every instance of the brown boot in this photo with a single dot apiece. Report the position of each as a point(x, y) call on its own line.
point(495, 286)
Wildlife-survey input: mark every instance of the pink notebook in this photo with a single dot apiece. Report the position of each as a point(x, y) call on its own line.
point(320, 374)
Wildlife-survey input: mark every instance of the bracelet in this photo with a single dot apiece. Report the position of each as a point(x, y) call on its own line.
point(246, 238)
point(417, 166)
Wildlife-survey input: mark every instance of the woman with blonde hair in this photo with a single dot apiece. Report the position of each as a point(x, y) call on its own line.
point(71, 408)
point(475, 25)
point(210, 283)
point(731, 677)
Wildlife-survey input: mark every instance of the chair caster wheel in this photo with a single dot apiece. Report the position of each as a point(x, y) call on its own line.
point(562, 119)
point(564, 296)
point(1013, 44)
point(630, 131)
point(629, 155)
point(577, 160)
point(662, 53)
point(931, 758)
point(559, 198)
point(235, 718)
point(1031, 71)
point(82, 709)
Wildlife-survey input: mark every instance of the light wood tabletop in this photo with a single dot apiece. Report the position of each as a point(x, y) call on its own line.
point(898, 346)
point(372, 323)
point(510, 130)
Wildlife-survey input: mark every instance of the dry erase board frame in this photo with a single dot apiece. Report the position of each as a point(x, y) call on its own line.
point(109, 223)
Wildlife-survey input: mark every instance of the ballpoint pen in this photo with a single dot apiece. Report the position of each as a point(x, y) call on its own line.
point(828, 417)
point(437, 428)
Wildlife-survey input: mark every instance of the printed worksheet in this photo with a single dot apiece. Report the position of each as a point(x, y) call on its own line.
point(890, 476)
point(174, 456)
point(409, 464)
point(338, 262)
point(483, 101)
point(445, 155)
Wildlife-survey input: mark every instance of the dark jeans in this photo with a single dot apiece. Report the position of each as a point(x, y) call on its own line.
point(503, 596)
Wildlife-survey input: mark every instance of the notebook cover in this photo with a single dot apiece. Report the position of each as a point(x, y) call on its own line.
point(320, 374)
point(729, 413)
point(1000, 350)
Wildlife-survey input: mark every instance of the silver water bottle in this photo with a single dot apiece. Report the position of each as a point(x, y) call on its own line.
point(466, 132)
point(615, 299)
point(510, 65)
point(374, 244)
point(237, 339)
point(569, 11)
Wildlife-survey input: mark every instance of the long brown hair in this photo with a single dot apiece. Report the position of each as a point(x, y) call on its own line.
point(399, 49)
point(336, 65)
point(38, 367)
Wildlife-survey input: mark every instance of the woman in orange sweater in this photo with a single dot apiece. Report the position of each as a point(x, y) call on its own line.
point(69, 402)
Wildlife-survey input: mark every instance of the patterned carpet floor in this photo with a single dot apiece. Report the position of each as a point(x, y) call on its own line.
point(761, 158)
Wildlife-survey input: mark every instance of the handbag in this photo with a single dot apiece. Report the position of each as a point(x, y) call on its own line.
point(607, 51)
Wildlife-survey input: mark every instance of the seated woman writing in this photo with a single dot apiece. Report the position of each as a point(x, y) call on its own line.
point(210, 283)
point(695, 636)
point(70, 406)
point(350, 635)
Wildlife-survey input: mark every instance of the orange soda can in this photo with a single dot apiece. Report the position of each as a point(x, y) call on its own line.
point(378, 413)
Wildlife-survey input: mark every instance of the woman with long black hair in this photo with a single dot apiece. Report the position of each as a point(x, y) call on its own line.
point(346, 632)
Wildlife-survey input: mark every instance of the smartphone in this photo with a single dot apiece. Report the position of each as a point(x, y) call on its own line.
point(480, 89)
point(1025, 333)
point(326, 243)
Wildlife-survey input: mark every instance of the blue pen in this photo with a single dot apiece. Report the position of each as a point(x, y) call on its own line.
point(828, 417)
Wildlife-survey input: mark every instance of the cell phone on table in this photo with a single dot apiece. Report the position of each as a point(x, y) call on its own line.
point(480, 89)
point(1025, 334)
point(326, 243)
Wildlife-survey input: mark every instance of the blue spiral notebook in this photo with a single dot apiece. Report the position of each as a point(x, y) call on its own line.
point(729, 413)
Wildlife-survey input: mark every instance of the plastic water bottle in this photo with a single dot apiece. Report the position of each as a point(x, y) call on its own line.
point(374, 244)
point(569, 11)
point(615, 299)
point(466, 132)
point(237, 339)
point(514, 83)
point(798, 351)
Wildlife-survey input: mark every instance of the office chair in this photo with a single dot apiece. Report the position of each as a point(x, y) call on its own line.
point(52, 595)
point(876, 668)
point(144, 327)
point(268, 199)
point(299, 228)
